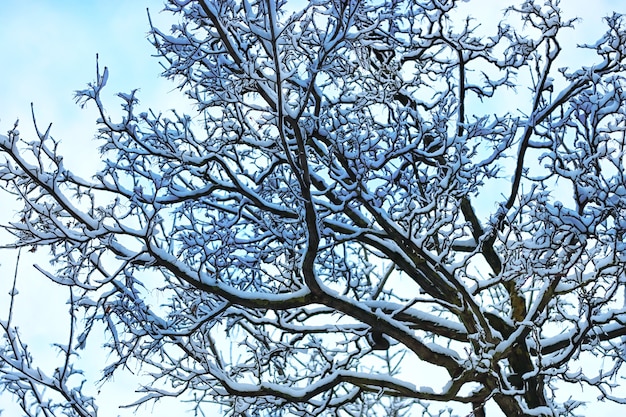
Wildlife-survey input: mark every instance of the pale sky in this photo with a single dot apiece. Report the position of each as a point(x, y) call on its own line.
point(48, 51)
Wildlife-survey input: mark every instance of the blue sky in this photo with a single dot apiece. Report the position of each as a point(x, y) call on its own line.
point(48, 51)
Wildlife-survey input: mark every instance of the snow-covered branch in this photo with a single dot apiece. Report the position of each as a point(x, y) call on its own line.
point(355, 199)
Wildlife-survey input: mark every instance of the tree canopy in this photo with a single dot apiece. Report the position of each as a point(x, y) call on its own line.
point(374, 196)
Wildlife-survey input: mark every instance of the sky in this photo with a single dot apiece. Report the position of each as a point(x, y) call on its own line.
point(48, 51)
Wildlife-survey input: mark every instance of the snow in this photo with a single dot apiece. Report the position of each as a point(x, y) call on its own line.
point(189, 245)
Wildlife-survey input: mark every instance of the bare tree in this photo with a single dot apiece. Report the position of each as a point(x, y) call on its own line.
point(355, 199)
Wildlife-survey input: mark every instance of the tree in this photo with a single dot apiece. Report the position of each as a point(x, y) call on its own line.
point(354, 200)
